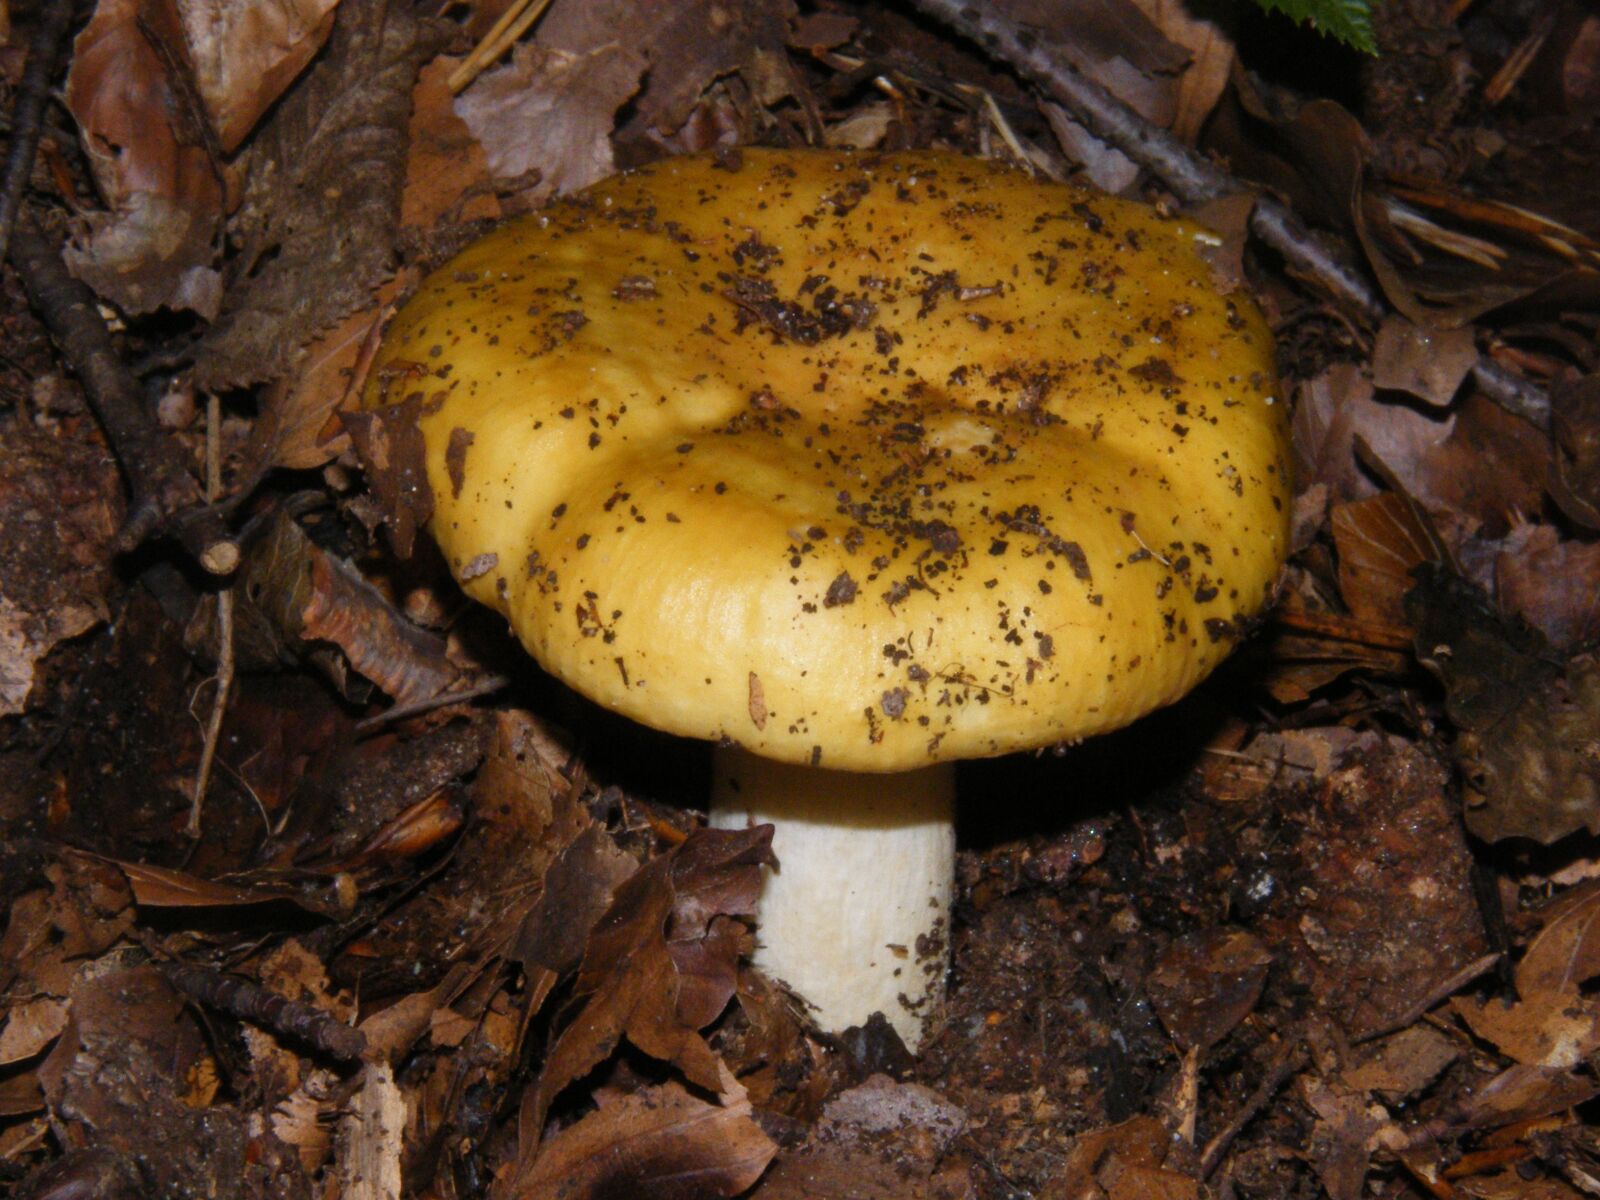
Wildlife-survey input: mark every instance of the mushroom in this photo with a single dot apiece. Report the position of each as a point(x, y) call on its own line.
point(853, 465)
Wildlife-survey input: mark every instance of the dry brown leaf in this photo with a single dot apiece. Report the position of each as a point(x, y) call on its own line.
point(1492, 464)
point(1553, 1024)
point(50, 933)
point(1521, 1093)
point(1548, 1031)
point(1566, 953)
point(30, 1027)
point(662, 962)
point(1380, 540)
point(1211, 56)
point(1335, 409)
point(166, 887)
point(245, 53)
point(686, 46)
point(311, 597)
point(1114, 1162)
point(820, 1171)
point(1427, 363)
point(294, 429)
point(1341, 1142)
point(551, 111)
point(1399, 1066)
point(155, 244)
point(660, 1142)
point(446, 171)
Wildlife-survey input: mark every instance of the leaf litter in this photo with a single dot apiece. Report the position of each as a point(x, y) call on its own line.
point(1337, 931)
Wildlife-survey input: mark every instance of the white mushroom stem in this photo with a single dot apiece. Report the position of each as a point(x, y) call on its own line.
point(856, 917)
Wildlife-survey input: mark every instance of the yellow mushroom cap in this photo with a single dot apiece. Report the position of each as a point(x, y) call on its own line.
point(865, 461)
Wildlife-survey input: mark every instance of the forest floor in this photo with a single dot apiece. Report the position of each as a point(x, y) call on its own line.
point(313, 884)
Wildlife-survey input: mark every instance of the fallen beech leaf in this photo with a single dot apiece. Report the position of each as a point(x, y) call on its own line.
point(1380, 540)
point(662, 962)
point(244, 53)
point(1521, 1093)
point(660, 1142)
point(1548, 1030)
point(1341, 1142)
point(1566, 954)
point(50, 934)
point(30, 1027)
point(1427, 363)
point(1399, 1066)
point(1553, 1024)
point(1335, 409)
point(155, 245)
point(311, 599)
point(1130, 1154)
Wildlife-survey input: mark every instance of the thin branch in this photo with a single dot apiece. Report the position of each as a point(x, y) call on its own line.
point(45, 54)
point(224, 676)
point(165, 495)
point(251, 1002)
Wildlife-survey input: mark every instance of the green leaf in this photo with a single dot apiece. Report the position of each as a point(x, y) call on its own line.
point(1348, 20)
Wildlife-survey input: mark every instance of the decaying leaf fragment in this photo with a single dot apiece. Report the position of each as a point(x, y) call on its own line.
point(60, 506)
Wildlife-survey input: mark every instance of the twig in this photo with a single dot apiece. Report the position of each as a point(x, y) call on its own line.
point(251, 1002)
point(45, 53)
point(1195, 181)
point(1439, 992)
point(224, 675)
point(165, 495)
point(1191, 178)
point(513, 23)
point(1291, 1057)
point(486, 686)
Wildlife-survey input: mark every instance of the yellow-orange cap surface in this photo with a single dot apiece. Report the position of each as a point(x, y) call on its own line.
point(865, 461)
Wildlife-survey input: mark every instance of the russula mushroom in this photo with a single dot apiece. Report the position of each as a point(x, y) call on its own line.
point(854, 465)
